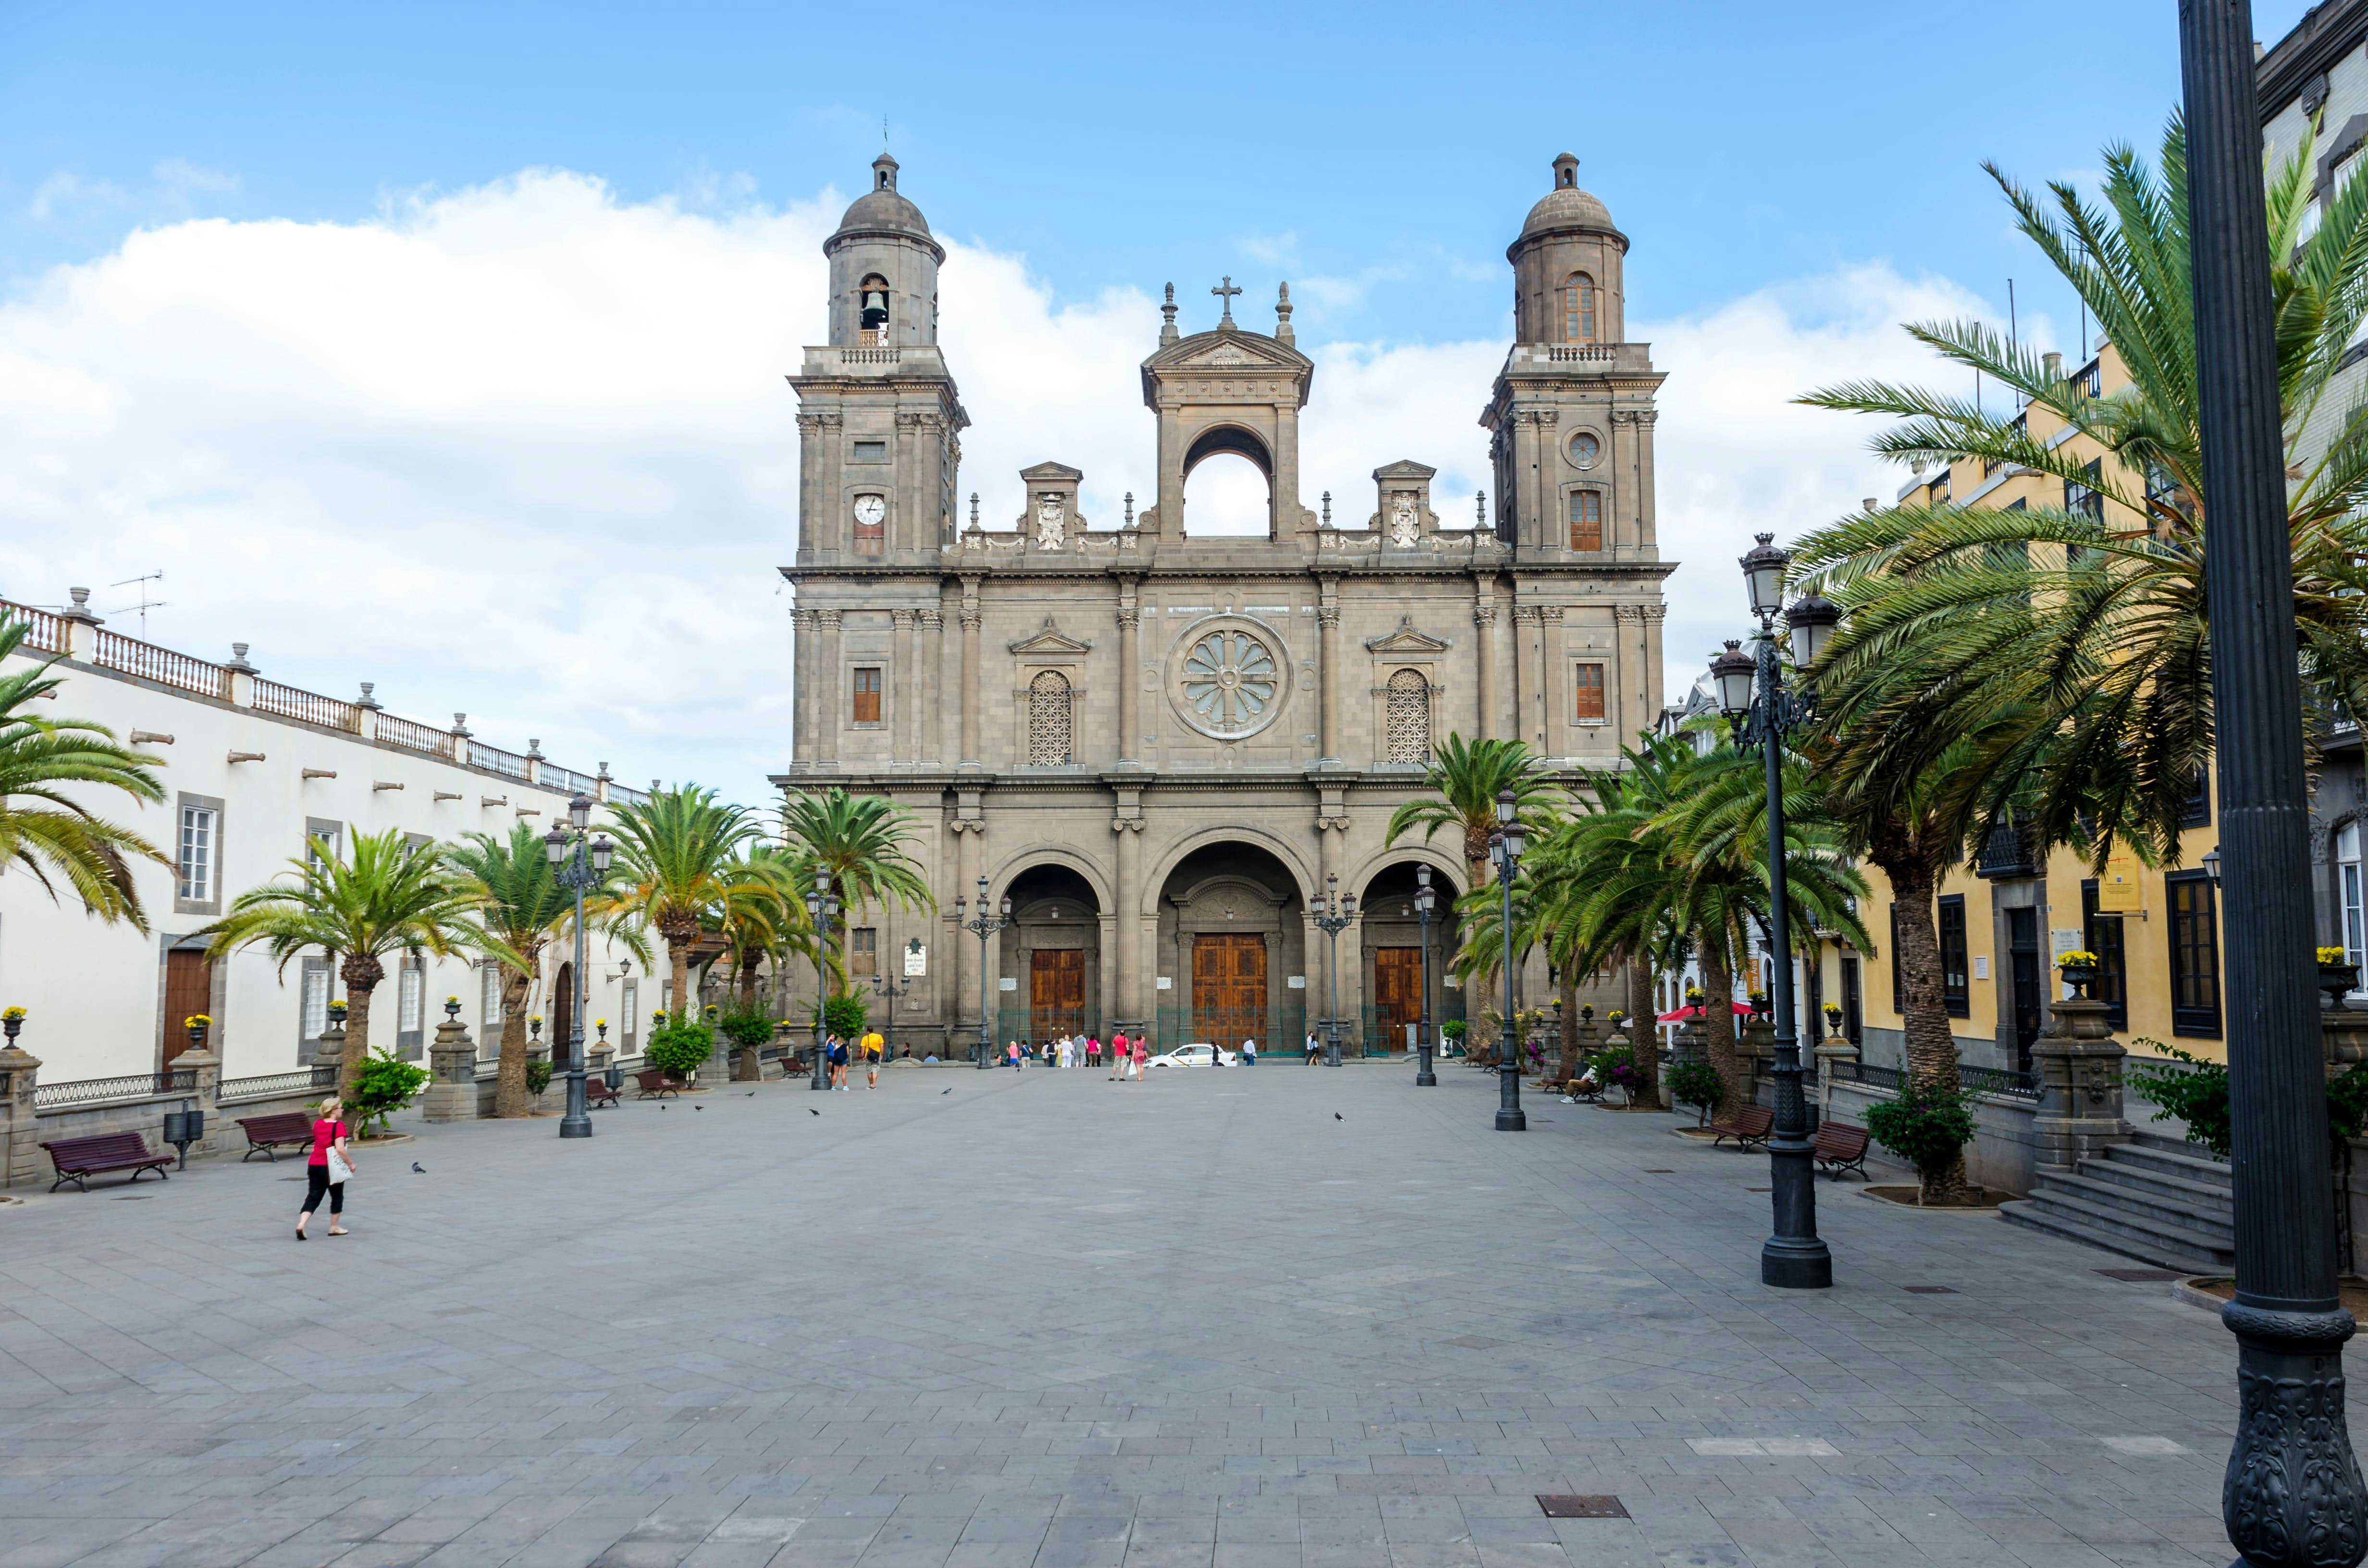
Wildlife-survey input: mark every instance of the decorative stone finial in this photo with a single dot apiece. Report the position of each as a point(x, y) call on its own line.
point(80, 609)
point(367, 700)
point(533, 748)
point(460, 725)
point(1282, 333)
point(1480, 507)
point(1129, 508)
point(1226, 292)
point(1327, 508)
point(974, 511)
point(1167, 317)
point(238, 660)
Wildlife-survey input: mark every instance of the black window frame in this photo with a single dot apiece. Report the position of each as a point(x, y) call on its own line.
point(2086, 500)
point(2196, 810)
point(1957, 998)
point(2105, 935)
point(2191, 931)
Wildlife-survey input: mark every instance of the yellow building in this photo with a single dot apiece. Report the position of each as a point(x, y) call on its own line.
point(2002, 922)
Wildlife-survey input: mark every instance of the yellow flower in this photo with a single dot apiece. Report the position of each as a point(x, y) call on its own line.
point(2331, 955)
point(12, 1012)
point(196, 1020)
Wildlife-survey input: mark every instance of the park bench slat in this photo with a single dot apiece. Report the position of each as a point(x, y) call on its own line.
point(1840, 1147)
point(266, 1133)
point(77, 1159)
point(1751, 1124)
point(656, 1084)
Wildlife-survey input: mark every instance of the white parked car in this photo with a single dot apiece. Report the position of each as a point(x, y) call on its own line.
point(1194, 1055)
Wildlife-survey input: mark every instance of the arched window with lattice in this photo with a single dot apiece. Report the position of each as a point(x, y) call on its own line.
point(1048, 718)
point(1409, 717)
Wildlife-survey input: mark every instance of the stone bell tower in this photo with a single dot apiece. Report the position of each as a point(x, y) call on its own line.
point(1228, 389)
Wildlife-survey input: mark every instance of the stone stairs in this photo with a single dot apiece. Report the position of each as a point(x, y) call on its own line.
point(2160, 1200)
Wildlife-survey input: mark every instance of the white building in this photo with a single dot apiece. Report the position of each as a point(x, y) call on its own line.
point(253, 770)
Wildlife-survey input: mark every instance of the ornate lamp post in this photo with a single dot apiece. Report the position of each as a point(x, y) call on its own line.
point(1504, 847)
point(890, 995)
point(1334, 915)
point(987, 923)
point(1424, 902)
point(822, 909)
point(582, 865)
point(1794, 1257)
point(2293, 1494)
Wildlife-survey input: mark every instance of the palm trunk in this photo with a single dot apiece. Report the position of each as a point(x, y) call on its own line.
point(678, 961)
point(509, 1073)
point(748, 962)
point(1569, 994)
point(1930, 1047)
point(362, 973)
point(1718, 1024)
point(1642, 1036)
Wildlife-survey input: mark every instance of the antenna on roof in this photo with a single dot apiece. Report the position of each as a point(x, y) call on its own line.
point(146, 604)
point(883, 132)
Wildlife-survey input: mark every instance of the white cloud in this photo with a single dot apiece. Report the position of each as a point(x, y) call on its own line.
point(65, 198)
point(524, 450)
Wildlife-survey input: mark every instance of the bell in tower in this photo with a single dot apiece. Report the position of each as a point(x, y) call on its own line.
point(884, 269)
point(871, 324)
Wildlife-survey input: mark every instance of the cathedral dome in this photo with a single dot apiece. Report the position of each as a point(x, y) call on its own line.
point(1566, 206)
point(881, 207)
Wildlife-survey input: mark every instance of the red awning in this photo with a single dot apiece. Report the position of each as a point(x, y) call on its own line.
point(1682, 1014)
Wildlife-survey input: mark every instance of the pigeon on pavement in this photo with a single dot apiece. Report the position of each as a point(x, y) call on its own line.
point(810, 1111)
point(1336, 1115)
point(418, 1168)
point(947, 1090)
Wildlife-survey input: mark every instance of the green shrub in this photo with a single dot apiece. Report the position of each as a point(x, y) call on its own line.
point(384, 1087)
point(2198, 1097)
point(845, 1017)
point(1926, 1126)
point(538, 1075)
point(1696, 1084)
point(1452, 1032)
point(751, 1028)
point(679, 1049)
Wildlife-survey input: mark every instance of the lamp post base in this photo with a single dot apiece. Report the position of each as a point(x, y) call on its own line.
point(1796, 1265)
point(577, 1122)
point(1513, 1121)
point(1424, 1078)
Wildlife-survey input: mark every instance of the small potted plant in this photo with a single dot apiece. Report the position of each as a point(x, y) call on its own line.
point(1760, 1003)
point(11, 1020)
point(2337, 976)
point(2079, 968)
point(1833, 1018)
point(1694, 996)
point(1619, 1019)
point(602, 1025)
point(452, 1009)
point(197, 1024)
point(1587, 1009)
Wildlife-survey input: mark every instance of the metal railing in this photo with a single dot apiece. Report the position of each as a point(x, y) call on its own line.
point(113, 652)
point(278, 1085)
point(557, 777)
point(413, 735)
point(308, 707)
point(495, 759)
point(2002, 1081)
point(100, 1091)
point(47, 631)
point(631, 797)
point(2009, 851)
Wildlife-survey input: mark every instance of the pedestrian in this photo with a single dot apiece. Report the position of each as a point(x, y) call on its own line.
point(1093, 1051)
point(874, 1047)
point(1142, 1055)
point(1117, 1051)
point(326, 1169)
point(1311, 1050)
point(1012, 1054)
point(1068, 1049)
point(1249, 1051)
point(839, 1063)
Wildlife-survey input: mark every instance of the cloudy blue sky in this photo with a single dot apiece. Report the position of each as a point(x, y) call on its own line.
point(440, 345)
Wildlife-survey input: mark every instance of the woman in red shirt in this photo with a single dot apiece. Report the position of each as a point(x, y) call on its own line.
point(321, 1175)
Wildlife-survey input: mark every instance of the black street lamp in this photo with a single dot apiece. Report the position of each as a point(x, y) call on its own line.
point(1794, 1257)
point(1504, 847)
point(582, 866)
point(1334, 914)
point(1425, 901)
point(987, 923)
point(822, 911)
point(2292, 1493)
point(891, 993)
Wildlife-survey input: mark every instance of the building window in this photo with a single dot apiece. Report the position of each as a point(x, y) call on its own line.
point(1585, 449)
point(1409, 717)
point(410, 1002)
point(1048, 719)
point(314, 1011)
point(489, 1009)
point(632, 1008)
point(2196, 810)
point(1587, 705)
point(2086, 500)
point(2347, 892)
point(1586, 519)
point(196, 854)
point(867, 694)
point(871, 451)
point(1956, 989)
point(322, 836)
point(2194, 955)
point(1578, 309)
point(2101, 935)
point(863, 950)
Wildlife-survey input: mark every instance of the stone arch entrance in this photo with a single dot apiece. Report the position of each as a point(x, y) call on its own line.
point(1231, 953)
point(1391, 952)
point(1053, 954)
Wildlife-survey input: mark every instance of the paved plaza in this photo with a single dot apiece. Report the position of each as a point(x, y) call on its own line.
point(1237, 1319)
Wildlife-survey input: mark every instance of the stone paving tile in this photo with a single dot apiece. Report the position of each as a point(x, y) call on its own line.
point(1192, 1322)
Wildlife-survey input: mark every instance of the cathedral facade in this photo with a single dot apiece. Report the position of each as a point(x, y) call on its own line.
point(1164, 749)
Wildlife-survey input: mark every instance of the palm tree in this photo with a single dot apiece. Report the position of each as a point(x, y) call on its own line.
point(524, 907)
point(392, 897)
point(765, 917)
point(857, 841)
point(2093, 634)
point(59, 837)
point(1465, 780)
point(678, 859)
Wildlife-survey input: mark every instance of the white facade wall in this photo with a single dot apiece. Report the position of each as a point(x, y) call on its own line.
point(94, 994)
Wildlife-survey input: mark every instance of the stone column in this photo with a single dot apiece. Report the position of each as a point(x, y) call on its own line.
point(1528, 654)
point(1127, 936)
point(2078, 1066)
point(1130, 676)
point(1484, 639)
point(20, 1152)
point(1555, 698)
point(1328, 615)
point(905, 509)
point(1755, 1050)
point(971, 618)
point(802, 689)
point(906, 695)
point(1650, 619)
point(452, 1093)
point(809, 468)
point(933, 726)
point(823, 677)
point(1646, 419)
point(970, 834)
point(208, 1067)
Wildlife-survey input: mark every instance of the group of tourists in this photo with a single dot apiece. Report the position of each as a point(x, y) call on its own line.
point(1072, 1050)
point(837, 1053)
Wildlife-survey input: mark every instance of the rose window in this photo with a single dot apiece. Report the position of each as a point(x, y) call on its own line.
point(1230, 680)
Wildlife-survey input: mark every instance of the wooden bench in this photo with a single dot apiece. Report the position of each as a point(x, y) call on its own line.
point(291, 1129)
point(655, 1084)
point(76, 1159)
point(597, 1091)
point(1840, 1147)
point(1751, 1125)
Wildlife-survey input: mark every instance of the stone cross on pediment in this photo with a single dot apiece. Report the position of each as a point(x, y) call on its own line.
point(1226, 291)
